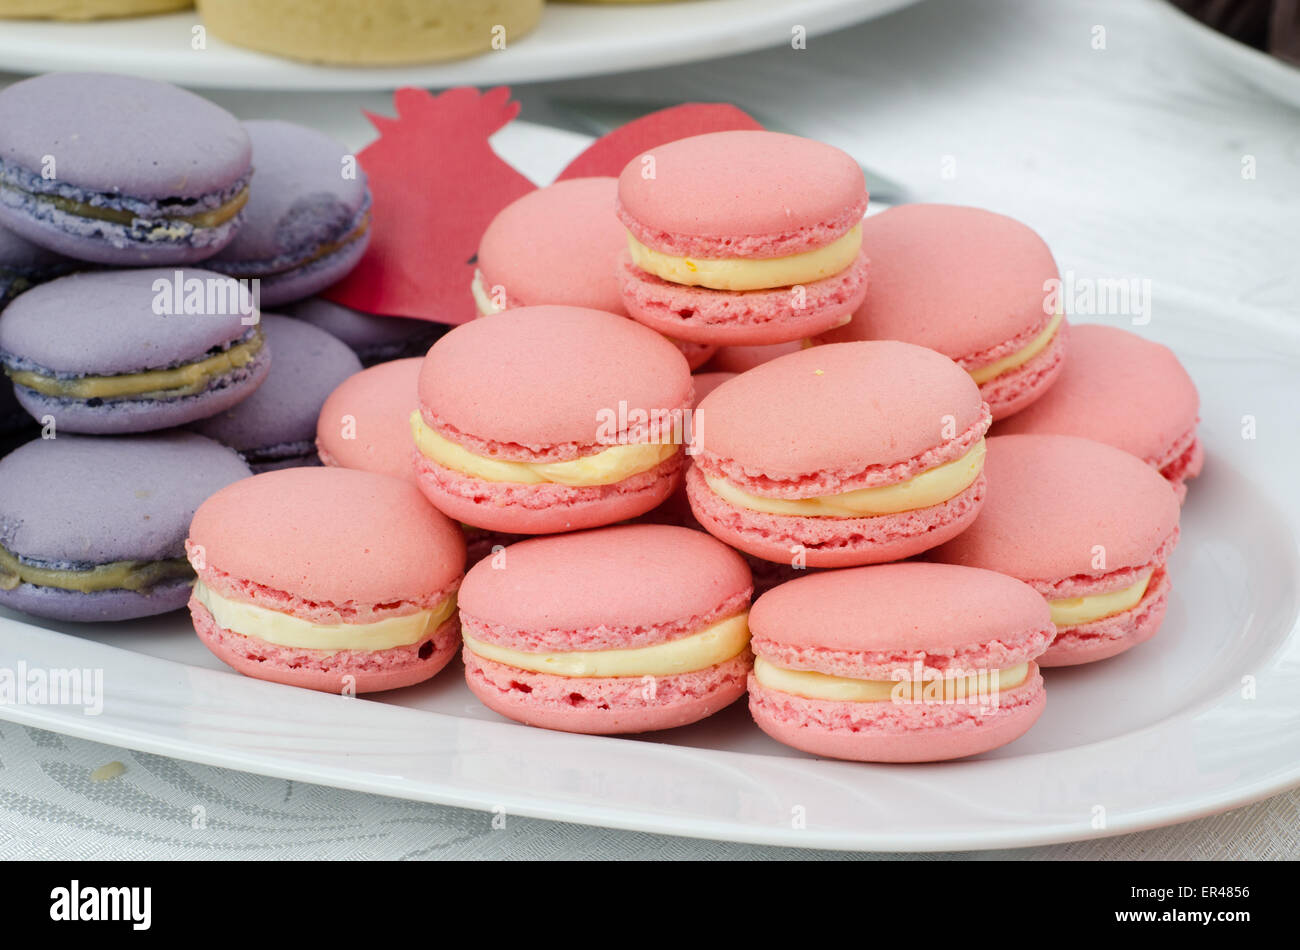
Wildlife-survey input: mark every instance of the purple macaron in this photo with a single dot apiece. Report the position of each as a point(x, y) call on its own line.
point(120, 170)
point(94, 529)
point(374, 339)
point(24, 265)
point(132, 350)
point(308, 217)
point(275, 427)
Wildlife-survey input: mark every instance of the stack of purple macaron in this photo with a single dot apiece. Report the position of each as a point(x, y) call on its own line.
point(142, 230)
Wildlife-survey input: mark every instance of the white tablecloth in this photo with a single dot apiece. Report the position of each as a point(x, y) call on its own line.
point(1127, 158)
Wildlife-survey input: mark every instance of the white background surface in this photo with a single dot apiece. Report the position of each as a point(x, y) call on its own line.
point(1127, 159)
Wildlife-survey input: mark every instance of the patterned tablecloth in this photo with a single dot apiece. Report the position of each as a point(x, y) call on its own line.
point(1010, 104)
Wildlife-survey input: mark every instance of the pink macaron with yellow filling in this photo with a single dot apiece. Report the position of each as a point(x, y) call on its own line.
point(1089, 527)
point(841, 455)
point(547, 419)
point(332, 579)
point(365, 422)
point(559, 245)
point(625, 629)
point(743, 237)
point(975, 286)
point(898, 662)
point(1128, 392)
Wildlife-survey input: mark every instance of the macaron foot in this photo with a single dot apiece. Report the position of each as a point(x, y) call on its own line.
point(833, 542)
point(889, 731)
point(1020, 387)
point(544, 509)
point(55, 603)
point(743, 318)
point(606, 705)
point(358, 671)
point(1110, 636)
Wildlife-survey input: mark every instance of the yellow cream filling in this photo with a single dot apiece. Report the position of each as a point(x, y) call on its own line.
point(736, 273)
point(482, 301)
point(1071, 611)
point(842, 689)
point(179, 381)
point(603, 468)
point(713, 645)
point(114, 575)
point(288, 631)
point(931, 487)
point(1021, 356)
point(204, 219)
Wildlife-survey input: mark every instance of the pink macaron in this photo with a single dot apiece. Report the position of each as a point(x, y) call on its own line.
point(366, 421)
point(1128, 392)
point(1089, 527)
point(559, 245)
point(975, 286)
point(546, 419)
point(626, 629)
point(737, 359)
point(898, 662)
point(841, 455)
point(333, 579)
point(741, 238)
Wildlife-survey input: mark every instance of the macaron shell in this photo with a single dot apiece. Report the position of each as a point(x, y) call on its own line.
point(358, 671)
point(1011, 392)
point(558, 245)
point(369, 336)
point(87, 500)
point(300, 196)
point(752, 317)
point(741, 194)
point(330, 536)
point(1120, 389)
point(101, 323)
point(366, 422)
point(122, 135)
point(955, 279)
point(738, 359)
point(896, 732)
point(1056, 502)
point(833, 542)
point(1110, 636)
point(544, 509)
point(98, 606)
point(896, 613)
point(609, 706)
point(567, 366)
point(309, 365)
point(838, 408)
point(314, 276)
point(624, 584)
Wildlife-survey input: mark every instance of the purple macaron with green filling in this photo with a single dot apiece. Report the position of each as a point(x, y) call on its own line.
point(120, 170)
point(373, 338)
point(107, 352)
point(94, 529)
point(307, 222)
point(24, 265)
point(275, 427)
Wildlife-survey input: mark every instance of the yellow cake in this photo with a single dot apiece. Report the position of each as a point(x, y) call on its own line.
point(87, 9)
point(371, 32)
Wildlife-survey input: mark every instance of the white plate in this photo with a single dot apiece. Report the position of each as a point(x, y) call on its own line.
point(1158, 735)
point(571, 40)
point(1255, 66)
